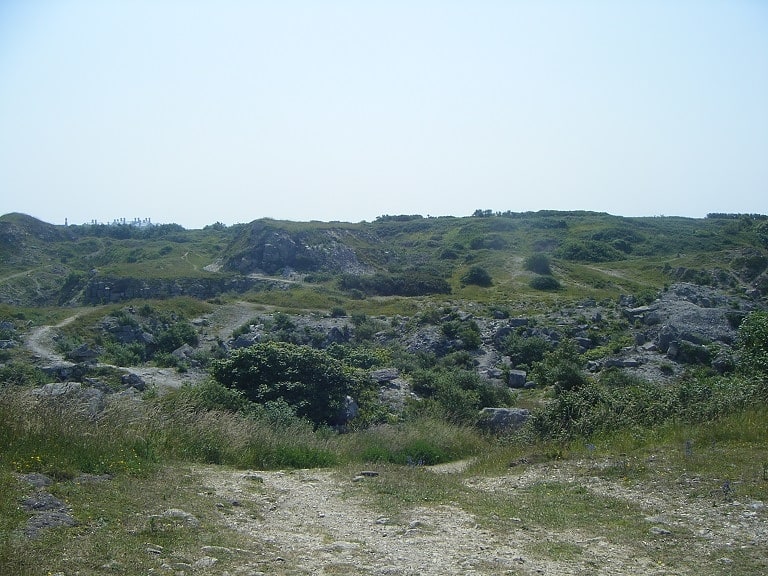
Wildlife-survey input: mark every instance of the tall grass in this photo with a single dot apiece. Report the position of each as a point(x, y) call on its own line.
point(52, 436)
point(424, 441)
point(236, 439)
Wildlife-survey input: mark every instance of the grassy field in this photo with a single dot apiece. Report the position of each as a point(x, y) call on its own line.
point(603, 487)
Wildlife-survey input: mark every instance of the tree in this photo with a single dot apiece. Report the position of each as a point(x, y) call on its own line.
point(311, 381)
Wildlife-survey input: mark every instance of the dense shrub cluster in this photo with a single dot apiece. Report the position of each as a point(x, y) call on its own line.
point(411, 283)
point(311, 381)
point(524, 352)
point(589, 251)
point(545, 283)
point(456, 394)
point(753, 344)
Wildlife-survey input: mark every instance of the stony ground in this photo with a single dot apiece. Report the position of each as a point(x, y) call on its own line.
point(318, 524)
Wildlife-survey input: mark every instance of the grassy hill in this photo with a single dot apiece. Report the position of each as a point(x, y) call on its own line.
point(592, 254)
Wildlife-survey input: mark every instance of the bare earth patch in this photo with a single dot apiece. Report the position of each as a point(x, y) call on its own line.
point(318, 524)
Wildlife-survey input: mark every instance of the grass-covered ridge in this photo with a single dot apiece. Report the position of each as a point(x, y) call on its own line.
point(590, 254)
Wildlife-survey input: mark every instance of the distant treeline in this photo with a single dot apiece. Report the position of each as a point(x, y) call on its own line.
point(126, 231)
point(724, 216)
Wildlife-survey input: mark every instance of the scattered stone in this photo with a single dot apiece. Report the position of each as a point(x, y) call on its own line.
point(132, 380)
point(47, 520)
point(36, 479)
point(216, 550)
point(84, 353)
point(385, 375)
point(93, 478)
point(174, 517)
point(621, 363)
point(41, 501)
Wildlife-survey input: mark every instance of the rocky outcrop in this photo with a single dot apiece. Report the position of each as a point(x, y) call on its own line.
point(269, 249)
point(503, 419)
point(394, 391)
point(101, 290)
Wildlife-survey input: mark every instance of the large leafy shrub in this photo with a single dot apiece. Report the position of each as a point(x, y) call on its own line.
point(311, 381)
point(545, 283)
point(457, 395)
point(408, 283)
point(617, 402)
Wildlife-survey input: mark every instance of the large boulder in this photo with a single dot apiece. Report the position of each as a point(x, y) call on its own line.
point(503, 419)
point(517, 378)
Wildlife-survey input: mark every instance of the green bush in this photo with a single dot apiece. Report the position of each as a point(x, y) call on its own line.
point(538, 263)
point(589, 251)
point(408, 283)
point(545, 283)
point(524, 351)
point(456, 395)
point(311, 381)
point(561, 368)
point(620, 403)
point(478, 276)
point(752, 344)
point(465, 330)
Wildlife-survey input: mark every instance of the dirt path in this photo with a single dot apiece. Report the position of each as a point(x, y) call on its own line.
point(40, 340)
point(320, 529)
point(318, 522)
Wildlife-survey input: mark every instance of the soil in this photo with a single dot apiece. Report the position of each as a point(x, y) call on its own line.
point(318, 525)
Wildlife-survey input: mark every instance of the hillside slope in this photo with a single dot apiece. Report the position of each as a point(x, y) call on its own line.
point(590, 255)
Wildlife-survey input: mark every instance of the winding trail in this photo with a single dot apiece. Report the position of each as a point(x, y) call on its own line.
point(40, 340)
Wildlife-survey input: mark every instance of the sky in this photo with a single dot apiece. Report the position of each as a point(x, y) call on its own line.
point(195, 112)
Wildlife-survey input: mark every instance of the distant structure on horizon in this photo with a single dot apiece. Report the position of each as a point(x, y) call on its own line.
point(136, 222)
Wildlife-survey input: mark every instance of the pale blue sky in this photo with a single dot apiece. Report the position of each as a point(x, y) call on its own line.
point(194, 111)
